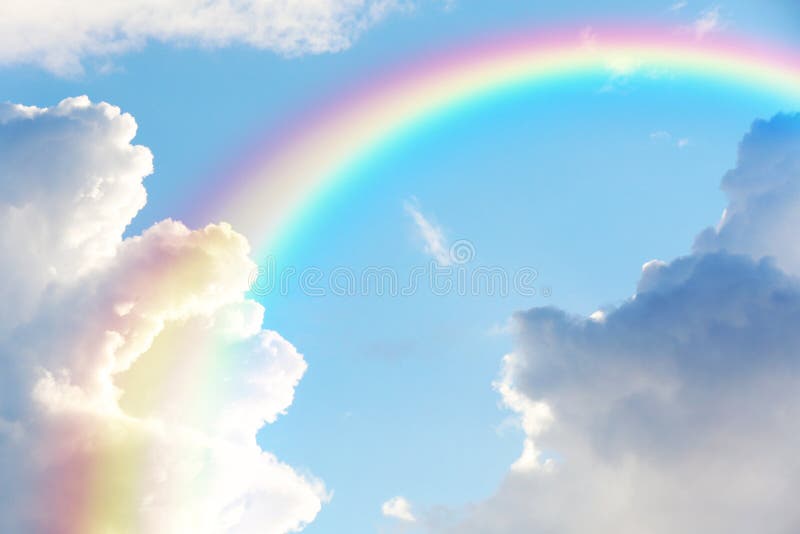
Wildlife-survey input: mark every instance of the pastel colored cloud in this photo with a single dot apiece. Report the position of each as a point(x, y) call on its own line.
point(708, 22)
point(134, 374)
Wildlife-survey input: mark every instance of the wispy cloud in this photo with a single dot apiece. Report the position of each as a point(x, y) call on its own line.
point(677, 6)
point(662, 136)
point(588, 37)
point(708, 22)
point(620, 65)
point(431, 233)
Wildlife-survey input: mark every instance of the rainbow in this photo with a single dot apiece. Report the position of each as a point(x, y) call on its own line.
point(279, 182)
point(275, 187)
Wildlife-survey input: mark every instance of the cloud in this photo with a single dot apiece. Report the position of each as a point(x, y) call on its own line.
point(708, 22)
point(678, 6)
point(398, 508)
point(675, 411)
point(763, 189)
point(663, 136)
point(58, 35)
point(134, 374)
point(588, 38)
point(431, 234)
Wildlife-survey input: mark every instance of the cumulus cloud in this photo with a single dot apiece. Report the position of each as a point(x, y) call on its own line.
point(398, 508)
point(432, 234)
point(134, 373)
point(676, 411)
point(763, 212)
point(57, 34)
point(64, 203)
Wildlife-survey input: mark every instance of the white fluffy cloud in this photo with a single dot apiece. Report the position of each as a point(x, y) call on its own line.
point(58, 34)
point(677, 411)
point(398, 508)
point(70, 181)
point(134, 374)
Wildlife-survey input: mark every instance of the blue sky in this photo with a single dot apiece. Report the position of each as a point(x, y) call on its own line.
point(581, 182)
point(594, 198)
